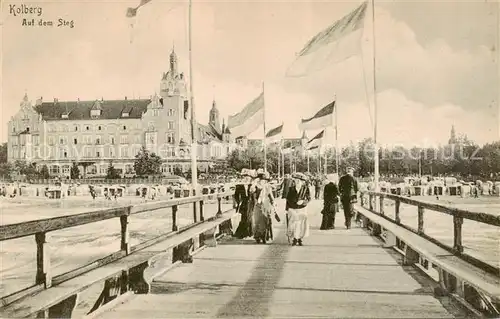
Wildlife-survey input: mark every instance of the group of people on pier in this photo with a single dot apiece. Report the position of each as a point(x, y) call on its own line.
point(255, 200)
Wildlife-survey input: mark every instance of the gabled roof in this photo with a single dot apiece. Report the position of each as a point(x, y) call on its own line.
point(80, 110)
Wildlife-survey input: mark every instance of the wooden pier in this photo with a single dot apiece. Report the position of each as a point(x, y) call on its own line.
point(378, 269)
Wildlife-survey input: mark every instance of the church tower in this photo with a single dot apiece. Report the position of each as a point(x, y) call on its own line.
point(214, 117)
point(453, 137)
point(176, 117)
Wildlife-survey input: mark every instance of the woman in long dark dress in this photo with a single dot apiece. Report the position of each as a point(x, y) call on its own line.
point(243, 196)
point(330, 203)
point(262, 223)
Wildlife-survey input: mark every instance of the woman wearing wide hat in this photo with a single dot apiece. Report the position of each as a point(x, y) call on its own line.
point(243, 197)
point(264, 207)
point(296, 202)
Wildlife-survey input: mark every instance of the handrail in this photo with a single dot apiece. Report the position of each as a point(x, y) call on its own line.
point(484, 218)
point(459, 215)
point(29, 228)
point(39, 228)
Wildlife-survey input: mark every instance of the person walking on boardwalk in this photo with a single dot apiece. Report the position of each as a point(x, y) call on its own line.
point(348, 187)
point(317, 187)
point(330, 203)
point(296, 203)
point(262, 223)
point(242, 197)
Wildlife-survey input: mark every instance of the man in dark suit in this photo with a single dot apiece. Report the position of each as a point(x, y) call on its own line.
point(330, 203)
point(348, 187)
point(285, 186)
point(243, 206)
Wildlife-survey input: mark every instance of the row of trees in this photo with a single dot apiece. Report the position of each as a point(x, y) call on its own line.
point(464, 158)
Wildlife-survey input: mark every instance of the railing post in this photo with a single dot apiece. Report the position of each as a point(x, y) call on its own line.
point(370, 198)
point(174, 218)
point(398, 207)
point(219, 207)
point(194, 208)
point(381, 205)
point(43, 275)
point(420, 219)
point(202, 218)
point(457, 233)
point(125, 235)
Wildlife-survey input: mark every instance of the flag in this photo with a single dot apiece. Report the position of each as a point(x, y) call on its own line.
point(336, 43)
point(249, 119)
point(316, 141)
point(323, 118)
point(274, 135)
point(313, 148)
point(132, 12)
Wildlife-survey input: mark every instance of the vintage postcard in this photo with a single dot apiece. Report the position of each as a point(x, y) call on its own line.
point(249, 159)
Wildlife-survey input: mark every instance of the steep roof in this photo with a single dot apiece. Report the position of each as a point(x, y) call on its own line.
point(80, 110)
point(208, 133)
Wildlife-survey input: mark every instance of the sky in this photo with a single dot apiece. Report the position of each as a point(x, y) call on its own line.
point(436, 62)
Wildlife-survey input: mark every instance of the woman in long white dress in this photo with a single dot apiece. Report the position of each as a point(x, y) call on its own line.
point(296, 203)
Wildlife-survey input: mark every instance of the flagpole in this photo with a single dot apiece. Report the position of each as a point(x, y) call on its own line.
point(194, 144)
point(265, 146)
point(337, 155)
point(279, 161)
point(308, 170)
point(375, 126)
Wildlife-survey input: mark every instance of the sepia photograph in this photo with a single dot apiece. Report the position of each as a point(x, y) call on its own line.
point(249, 159)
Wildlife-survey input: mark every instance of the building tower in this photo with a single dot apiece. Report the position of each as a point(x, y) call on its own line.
point(453, 137)
point(173, 93)
point(214, 118)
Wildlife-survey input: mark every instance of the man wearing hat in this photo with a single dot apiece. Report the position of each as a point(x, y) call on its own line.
point(348, 187)
point(244, 203)
point(296, 203)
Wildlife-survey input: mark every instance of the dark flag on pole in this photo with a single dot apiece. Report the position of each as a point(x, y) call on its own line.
point(132, 12)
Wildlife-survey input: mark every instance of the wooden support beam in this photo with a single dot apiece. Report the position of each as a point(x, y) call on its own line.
point(65, 308)
point(457, 234)
point(43, 274)
point(397, 207)
point(174, 218)
point(125, 235)
point(411, 257)
point(420, 219)
point(219, 207)
point(390, 240)
point(202, 218)
point(209, 237)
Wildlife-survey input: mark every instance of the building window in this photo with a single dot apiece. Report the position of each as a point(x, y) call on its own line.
point(98, 140)
point(170, 112)
point(98, 154)
point(92, 169)
point(61, 140)
point(124, 152)
point(65, 154)
point(76, 128)
point(111, 153)
point(36, 139)
point(170, 125)
point(124, 128)
point(99, 128)
point(112, 140)
point(124, 139)
point(151, 126)
point(170, 137)
point(104, 169)
point(54, 169)
point(75, 141)
point(51, 140)
point(155, 112)
point(87, 128)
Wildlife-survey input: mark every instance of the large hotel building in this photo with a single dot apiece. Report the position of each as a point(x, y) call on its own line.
point(94, 133)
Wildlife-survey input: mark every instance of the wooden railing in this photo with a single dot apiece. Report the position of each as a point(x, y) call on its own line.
point(44, 279)
point(473, 282)
point(459, 215)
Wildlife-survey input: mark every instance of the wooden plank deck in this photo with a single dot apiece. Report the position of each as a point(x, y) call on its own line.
point(336, 274)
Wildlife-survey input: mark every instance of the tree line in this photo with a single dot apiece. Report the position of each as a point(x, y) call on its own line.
point(463, 158)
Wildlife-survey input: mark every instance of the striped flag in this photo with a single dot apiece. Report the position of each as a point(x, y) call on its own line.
point(132, 12)
point(323, 118)
point(316, 141)
point(336, 43)
point(249, 119)
point(274, 135)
